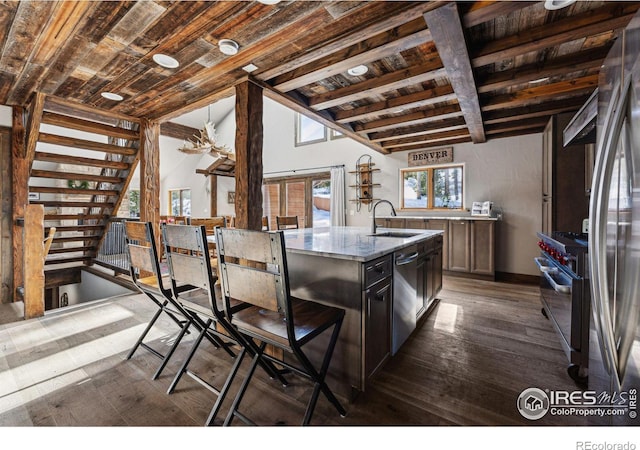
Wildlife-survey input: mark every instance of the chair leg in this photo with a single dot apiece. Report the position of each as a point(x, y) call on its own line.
point(233, 411)
point(225, 388)
point(192, 352)
point(146, 330)
point(268, 367)
point(319, 376)
point(173, 348)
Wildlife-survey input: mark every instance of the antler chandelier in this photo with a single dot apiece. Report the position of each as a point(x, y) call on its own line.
point(206, 142)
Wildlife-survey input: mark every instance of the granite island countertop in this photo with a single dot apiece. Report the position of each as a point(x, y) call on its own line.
point(441, 217)
point(352, 243)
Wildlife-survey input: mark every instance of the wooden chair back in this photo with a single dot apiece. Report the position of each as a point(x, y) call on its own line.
point(287, 222)
point(210, 223)
point(142, 252)
point(188, 259)
point(252, 267)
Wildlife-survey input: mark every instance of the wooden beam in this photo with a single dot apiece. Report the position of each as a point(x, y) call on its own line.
point(419, 99)
point(564, 65)
point(580, 86)
point(427, 71)
point(150, 174)
point(446, 30)
point(537, 110)
point(248, 144)
point(178, 131)
point(389, 43)
point(416, 130)
point(481, 12)
point(416, 143)
point(6, 223)
point(87, 112)
point(33, 126)
point(436, 143)
point(295, 103)
point(33, 261)
point(411, 138)
point(20, 179)
point(430, 115)
point(613, 16)
point(213, 195)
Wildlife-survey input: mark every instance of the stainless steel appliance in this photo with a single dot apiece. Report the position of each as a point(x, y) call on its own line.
point(564, 293)
point(614, 220)
point(405, 284)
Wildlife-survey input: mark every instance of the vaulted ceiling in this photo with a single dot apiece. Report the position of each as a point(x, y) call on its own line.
point(439, 73)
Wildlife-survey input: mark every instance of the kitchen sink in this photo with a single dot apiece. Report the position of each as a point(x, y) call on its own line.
point(396, 234)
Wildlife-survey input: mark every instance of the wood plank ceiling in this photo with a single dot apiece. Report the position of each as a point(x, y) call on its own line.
point(439, 72)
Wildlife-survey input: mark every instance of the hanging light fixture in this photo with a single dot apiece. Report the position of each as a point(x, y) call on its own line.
point(207, 142)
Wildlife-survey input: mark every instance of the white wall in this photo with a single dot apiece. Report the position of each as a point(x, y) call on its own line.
point(506, 171)
point(5, 116)
point(91, 287)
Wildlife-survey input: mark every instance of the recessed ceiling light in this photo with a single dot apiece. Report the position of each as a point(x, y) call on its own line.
point(552, 5)
point(112, 96)
point(228, 47)
point(358, 70)
point(165, 61)
point(539, 80)
point(269, 2)
point(250, 68)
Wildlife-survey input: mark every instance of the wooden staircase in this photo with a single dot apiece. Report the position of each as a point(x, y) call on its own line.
point(80, 181)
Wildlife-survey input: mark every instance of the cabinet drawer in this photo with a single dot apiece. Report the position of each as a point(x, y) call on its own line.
point(376, 270)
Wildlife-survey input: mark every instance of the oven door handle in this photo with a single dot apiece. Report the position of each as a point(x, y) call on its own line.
point(562, 288)
point(541, 263)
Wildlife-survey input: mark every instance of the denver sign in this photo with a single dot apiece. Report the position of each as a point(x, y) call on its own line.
point(425, 157)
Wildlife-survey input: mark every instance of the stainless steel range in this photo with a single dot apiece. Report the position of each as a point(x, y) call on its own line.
point(565, 295)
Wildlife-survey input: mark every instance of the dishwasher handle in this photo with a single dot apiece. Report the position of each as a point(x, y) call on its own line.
point(403, 260)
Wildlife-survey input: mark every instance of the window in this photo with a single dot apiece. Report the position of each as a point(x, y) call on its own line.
point(308, 131)
point(134, 203)
point(180, 202)
point(307, 197)
point(438, 187)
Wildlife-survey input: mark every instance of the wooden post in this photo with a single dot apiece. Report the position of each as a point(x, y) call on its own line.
point(33, 261)
point(249, 156)
point(6, 222)
point(20, 178)
point(213, 180)
point(150, 174)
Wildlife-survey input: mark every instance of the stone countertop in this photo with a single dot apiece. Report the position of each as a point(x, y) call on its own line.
point(352, 243)
point(457, 217)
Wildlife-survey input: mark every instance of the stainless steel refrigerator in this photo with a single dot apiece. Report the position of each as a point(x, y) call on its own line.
point(614, 235)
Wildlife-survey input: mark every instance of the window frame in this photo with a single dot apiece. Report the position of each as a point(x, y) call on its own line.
point(430, 191)
point(170, 209)
point(298, 128)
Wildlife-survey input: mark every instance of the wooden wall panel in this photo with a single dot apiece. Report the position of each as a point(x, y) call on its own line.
point(249, 136)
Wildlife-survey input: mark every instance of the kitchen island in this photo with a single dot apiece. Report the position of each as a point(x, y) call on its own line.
point(380, 280)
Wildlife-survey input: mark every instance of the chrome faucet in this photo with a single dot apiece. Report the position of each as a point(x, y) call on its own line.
point(373, 224)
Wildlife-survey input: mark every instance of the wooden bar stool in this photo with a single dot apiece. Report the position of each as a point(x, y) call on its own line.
point(286, 222)
point(253, 270)
point(147, 277)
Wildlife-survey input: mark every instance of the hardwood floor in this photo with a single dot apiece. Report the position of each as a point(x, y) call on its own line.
point(466, 365)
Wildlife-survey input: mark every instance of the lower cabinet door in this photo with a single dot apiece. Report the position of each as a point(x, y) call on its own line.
point(378, 325)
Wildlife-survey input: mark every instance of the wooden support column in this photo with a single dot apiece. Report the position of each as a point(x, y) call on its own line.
point(213, 180)
point(20, 195)
point(249, 106)
point(6, 217)
point(150, 174)
point(33, 261)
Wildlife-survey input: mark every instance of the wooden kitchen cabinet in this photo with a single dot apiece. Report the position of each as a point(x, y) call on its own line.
point(429, 274)
point(459, 246)
point(378, 301)
point(482, 247)
point(441, 224)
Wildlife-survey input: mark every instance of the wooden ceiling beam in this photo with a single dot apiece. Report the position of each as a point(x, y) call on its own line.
point(410, 138)
point(178, 131)
point(386, 16)
point(389, 43)
point(417, 130)
point(481, 12)
point(439, 94)
point(564, 65)
point(420, 117)
point(518, 125)
point(427, 71)
point(612, 16)
point(447, 33)
point(541, 109)
point(435, 143)
point(298, 104)
point(578, 86)
point(427, 138)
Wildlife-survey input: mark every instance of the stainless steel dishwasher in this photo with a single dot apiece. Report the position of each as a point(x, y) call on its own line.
point(405, 267)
